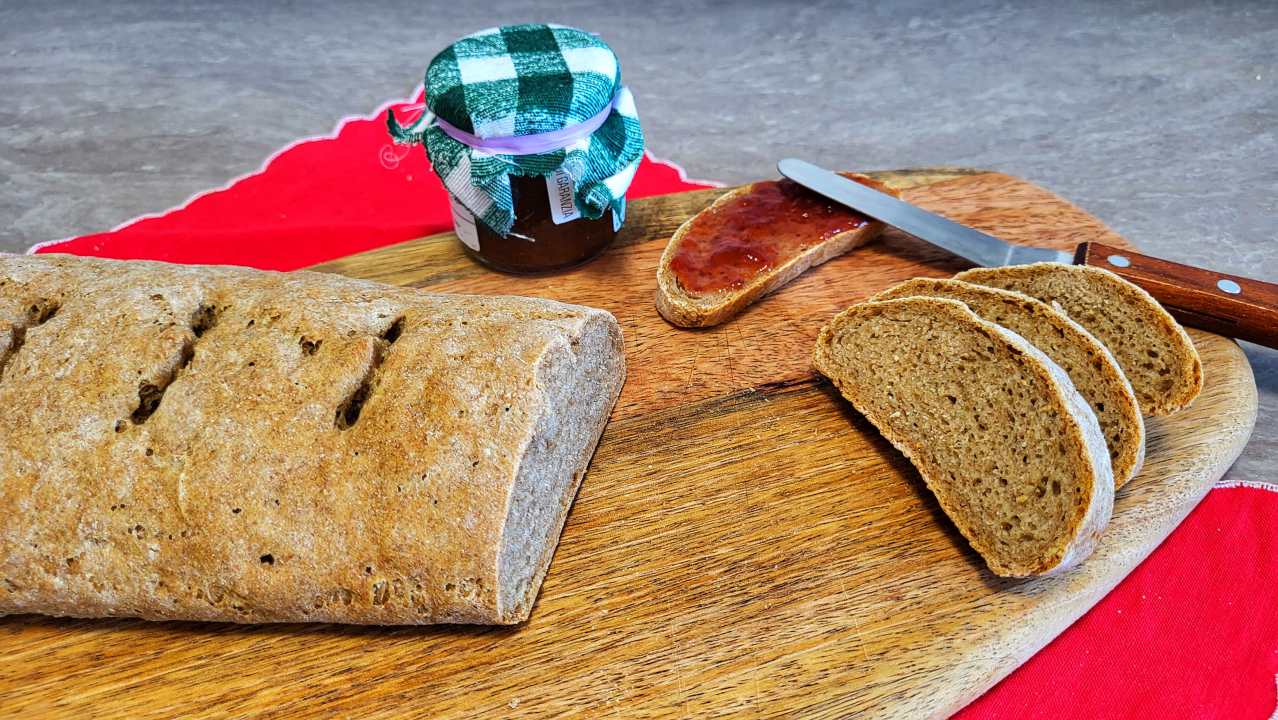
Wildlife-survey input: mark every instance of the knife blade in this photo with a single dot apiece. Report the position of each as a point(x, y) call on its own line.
point(1225, 304)
point(966, 242)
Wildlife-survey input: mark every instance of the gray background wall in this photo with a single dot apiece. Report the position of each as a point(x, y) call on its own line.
point(1158, 117)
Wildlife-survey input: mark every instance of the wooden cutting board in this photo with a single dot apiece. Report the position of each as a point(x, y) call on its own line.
point(744, 543)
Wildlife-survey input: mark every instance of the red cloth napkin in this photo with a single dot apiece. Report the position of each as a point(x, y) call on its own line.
point(315, 200)
point(1191, 633)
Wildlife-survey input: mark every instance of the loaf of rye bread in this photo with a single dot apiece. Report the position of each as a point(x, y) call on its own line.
point(215, 443)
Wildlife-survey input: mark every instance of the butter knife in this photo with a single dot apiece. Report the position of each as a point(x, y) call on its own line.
point(1224, 304)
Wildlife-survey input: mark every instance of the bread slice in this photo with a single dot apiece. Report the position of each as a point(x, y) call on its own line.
point(1090, 366)
point(1012, 452)
point(214, 443)
point(1153, 349)
point(691, 309)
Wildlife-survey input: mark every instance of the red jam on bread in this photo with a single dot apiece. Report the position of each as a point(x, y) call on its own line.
point(775, 221)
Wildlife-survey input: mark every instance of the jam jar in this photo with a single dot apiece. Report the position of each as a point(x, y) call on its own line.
point(536, 140)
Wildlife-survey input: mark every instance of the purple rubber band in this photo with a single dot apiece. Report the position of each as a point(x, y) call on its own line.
point(529, 144)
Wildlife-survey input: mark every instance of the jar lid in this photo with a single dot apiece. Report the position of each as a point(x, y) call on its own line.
point(519, 80)
point(528, 100)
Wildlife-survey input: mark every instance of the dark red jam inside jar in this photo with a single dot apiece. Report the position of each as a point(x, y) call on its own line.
point(535, 243)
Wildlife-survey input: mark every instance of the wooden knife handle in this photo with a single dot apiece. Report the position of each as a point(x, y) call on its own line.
point(1224, 304)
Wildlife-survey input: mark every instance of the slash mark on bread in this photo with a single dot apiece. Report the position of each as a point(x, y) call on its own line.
point(151, 393)
point(348, 411)
point(38, 314)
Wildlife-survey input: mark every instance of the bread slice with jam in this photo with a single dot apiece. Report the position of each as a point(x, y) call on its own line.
point(752, 241)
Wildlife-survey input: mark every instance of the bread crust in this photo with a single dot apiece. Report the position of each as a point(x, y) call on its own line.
point(690, 310)
point(261, 486)
point(1082, 432)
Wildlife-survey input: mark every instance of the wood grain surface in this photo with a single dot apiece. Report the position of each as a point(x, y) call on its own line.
point(745, 544)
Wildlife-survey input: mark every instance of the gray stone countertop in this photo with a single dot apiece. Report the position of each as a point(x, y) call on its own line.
point(1161, 118)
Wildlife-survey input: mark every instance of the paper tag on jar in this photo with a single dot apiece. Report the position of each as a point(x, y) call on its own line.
point(464, 224)
point(561, 190)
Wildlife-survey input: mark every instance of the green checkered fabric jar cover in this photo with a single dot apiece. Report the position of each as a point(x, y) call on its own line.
point(527, 83)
